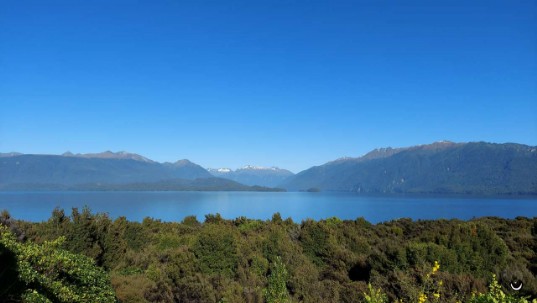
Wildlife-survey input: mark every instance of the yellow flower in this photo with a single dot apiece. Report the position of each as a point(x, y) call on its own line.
point(436, 295)
point(436, 266)
point(440, 283)
point(422, 298)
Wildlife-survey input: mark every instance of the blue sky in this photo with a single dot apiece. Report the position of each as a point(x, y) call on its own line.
point(285, 83)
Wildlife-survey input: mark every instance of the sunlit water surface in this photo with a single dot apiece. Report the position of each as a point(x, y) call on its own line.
point(174, 206)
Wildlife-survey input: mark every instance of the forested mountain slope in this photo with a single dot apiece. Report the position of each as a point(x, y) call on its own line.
point(442, 167)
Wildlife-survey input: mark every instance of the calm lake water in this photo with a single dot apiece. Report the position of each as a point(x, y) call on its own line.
point(174, 206)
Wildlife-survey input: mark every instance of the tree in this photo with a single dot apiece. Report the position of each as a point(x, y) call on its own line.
point(46, 273)
point(276, 291)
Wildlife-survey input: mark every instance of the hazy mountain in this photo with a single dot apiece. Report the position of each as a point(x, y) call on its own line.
point(254, 175)
point(105, 168)
point(110, 155)
point(9, 154)
point(442, 167)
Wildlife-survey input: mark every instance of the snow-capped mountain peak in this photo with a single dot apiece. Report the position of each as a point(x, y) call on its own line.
point(253, 175)
point(253, 167)
point(222, 170)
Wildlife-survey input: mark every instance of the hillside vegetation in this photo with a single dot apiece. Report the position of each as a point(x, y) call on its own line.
point(244, 260)
point(46, 273)
point(442, 167)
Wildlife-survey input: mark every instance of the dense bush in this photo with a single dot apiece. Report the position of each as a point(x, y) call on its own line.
point(244, 260)
point(45, 273)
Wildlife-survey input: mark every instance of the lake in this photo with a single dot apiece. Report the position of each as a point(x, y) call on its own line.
point(174, 206)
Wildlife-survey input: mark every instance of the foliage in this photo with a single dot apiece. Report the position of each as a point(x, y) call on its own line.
point(375, 295)
point(331, 260)
point(216, 251)
point(276, 291)
point(431, 292)
point(496, 295)
point(45, 273)
point(431, 288)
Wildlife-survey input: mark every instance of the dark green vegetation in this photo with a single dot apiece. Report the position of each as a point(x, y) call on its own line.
point(201, 184)
point(443, 167)
point(245, 260)
point(46, 273)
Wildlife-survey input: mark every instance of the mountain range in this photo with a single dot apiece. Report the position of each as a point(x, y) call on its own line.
point(254, 175)
point(106, 171)
point(439, 168)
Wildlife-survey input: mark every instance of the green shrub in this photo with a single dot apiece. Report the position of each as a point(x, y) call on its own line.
point(375, 295)
point(216, 251)
point(45, 273)
point(276, 291)
point(496, 295)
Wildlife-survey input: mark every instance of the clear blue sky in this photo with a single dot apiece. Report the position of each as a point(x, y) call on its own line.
point(285, 83)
